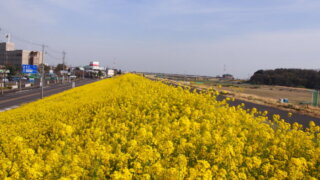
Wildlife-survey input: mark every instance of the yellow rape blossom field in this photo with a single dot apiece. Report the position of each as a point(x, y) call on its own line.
point(130, 127)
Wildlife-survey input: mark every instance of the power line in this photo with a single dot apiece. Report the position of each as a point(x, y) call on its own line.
point(52, 56)
point(25, 41)
point(54, 50)
point(15, 37)
point(37, 44)
point(21, 39)
point(50, 49)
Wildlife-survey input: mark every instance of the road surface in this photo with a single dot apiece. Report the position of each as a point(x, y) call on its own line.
point(296, 117)
point(15, 99)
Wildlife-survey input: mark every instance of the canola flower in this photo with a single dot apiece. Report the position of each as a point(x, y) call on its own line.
point(130, 127)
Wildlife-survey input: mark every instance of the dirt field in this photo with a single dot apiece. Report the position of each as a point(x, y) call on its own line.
point(299, 98)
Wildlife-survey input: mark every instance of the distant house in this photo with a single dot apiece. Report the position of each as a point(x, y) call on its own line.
point(227, 76)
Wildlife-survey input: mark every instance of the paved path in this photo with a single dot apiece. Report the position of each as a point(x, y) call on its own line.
point(296, 117)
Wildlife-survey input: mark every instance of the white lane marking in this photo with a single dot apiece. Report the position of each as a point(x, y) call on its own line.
point(23, 91)
point(9, 108)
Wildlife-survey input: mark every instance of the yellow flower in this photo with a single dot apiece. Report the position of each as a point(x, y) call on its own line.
point(129, 127)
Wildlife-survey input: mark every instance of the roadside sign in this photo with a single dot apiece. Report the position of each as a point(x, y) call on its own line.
point(32, 69)
point(315, 97)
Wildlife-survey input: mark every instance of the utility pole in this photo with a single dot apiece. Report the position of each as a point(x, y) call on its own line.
point(2, 85)
point(6, 61)
point(63, 62)
point(43, 73)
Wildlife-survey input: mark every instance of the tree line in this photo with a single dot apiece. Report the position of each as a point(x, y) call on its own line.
point(288, 77)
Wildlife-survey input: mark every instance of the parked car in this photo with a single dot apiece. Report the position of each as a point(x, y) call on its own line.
point(5, 80)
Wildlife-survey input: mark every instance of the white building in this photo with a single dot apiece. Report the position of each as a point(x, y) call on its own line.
point(110, 72)
point(94, 65)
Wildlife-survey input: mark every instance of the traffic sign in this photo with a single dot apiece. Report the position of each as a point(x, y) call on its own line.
point(32, 69)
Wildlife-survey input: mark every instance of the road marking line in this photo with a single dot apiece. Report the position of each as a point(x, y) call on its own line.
point(64, 87)
point(9, 108)
point(22, 91)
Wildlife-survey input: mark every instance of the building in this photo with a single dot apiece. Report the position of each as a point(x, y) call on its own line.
point(95, 66)
point(10, 56)
point(110, 72)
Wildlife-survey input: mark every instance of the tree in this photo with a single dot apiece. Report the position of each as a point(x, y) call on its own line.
point(14, 69)
point(287, 77)
point(59, 68)
point(46, 68)
point(100, 73)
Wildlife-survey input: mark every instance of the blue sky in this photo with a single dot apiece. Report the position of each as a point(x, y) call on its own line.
point(175, 36)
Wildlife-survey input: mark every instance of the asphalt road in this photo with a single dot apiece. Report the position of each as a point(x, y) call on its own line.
point(296, 117)
point(15, 99)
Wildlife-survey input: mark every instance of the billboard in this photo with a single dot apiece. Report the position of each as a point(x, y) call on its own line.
point(31, 69)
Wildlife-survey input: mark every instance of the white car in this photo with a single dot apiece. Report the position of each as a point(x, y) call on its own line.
point(5, 80)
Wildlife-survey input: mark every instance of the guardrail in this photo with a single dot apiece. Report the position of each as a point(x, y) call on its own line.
point(14, 86)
